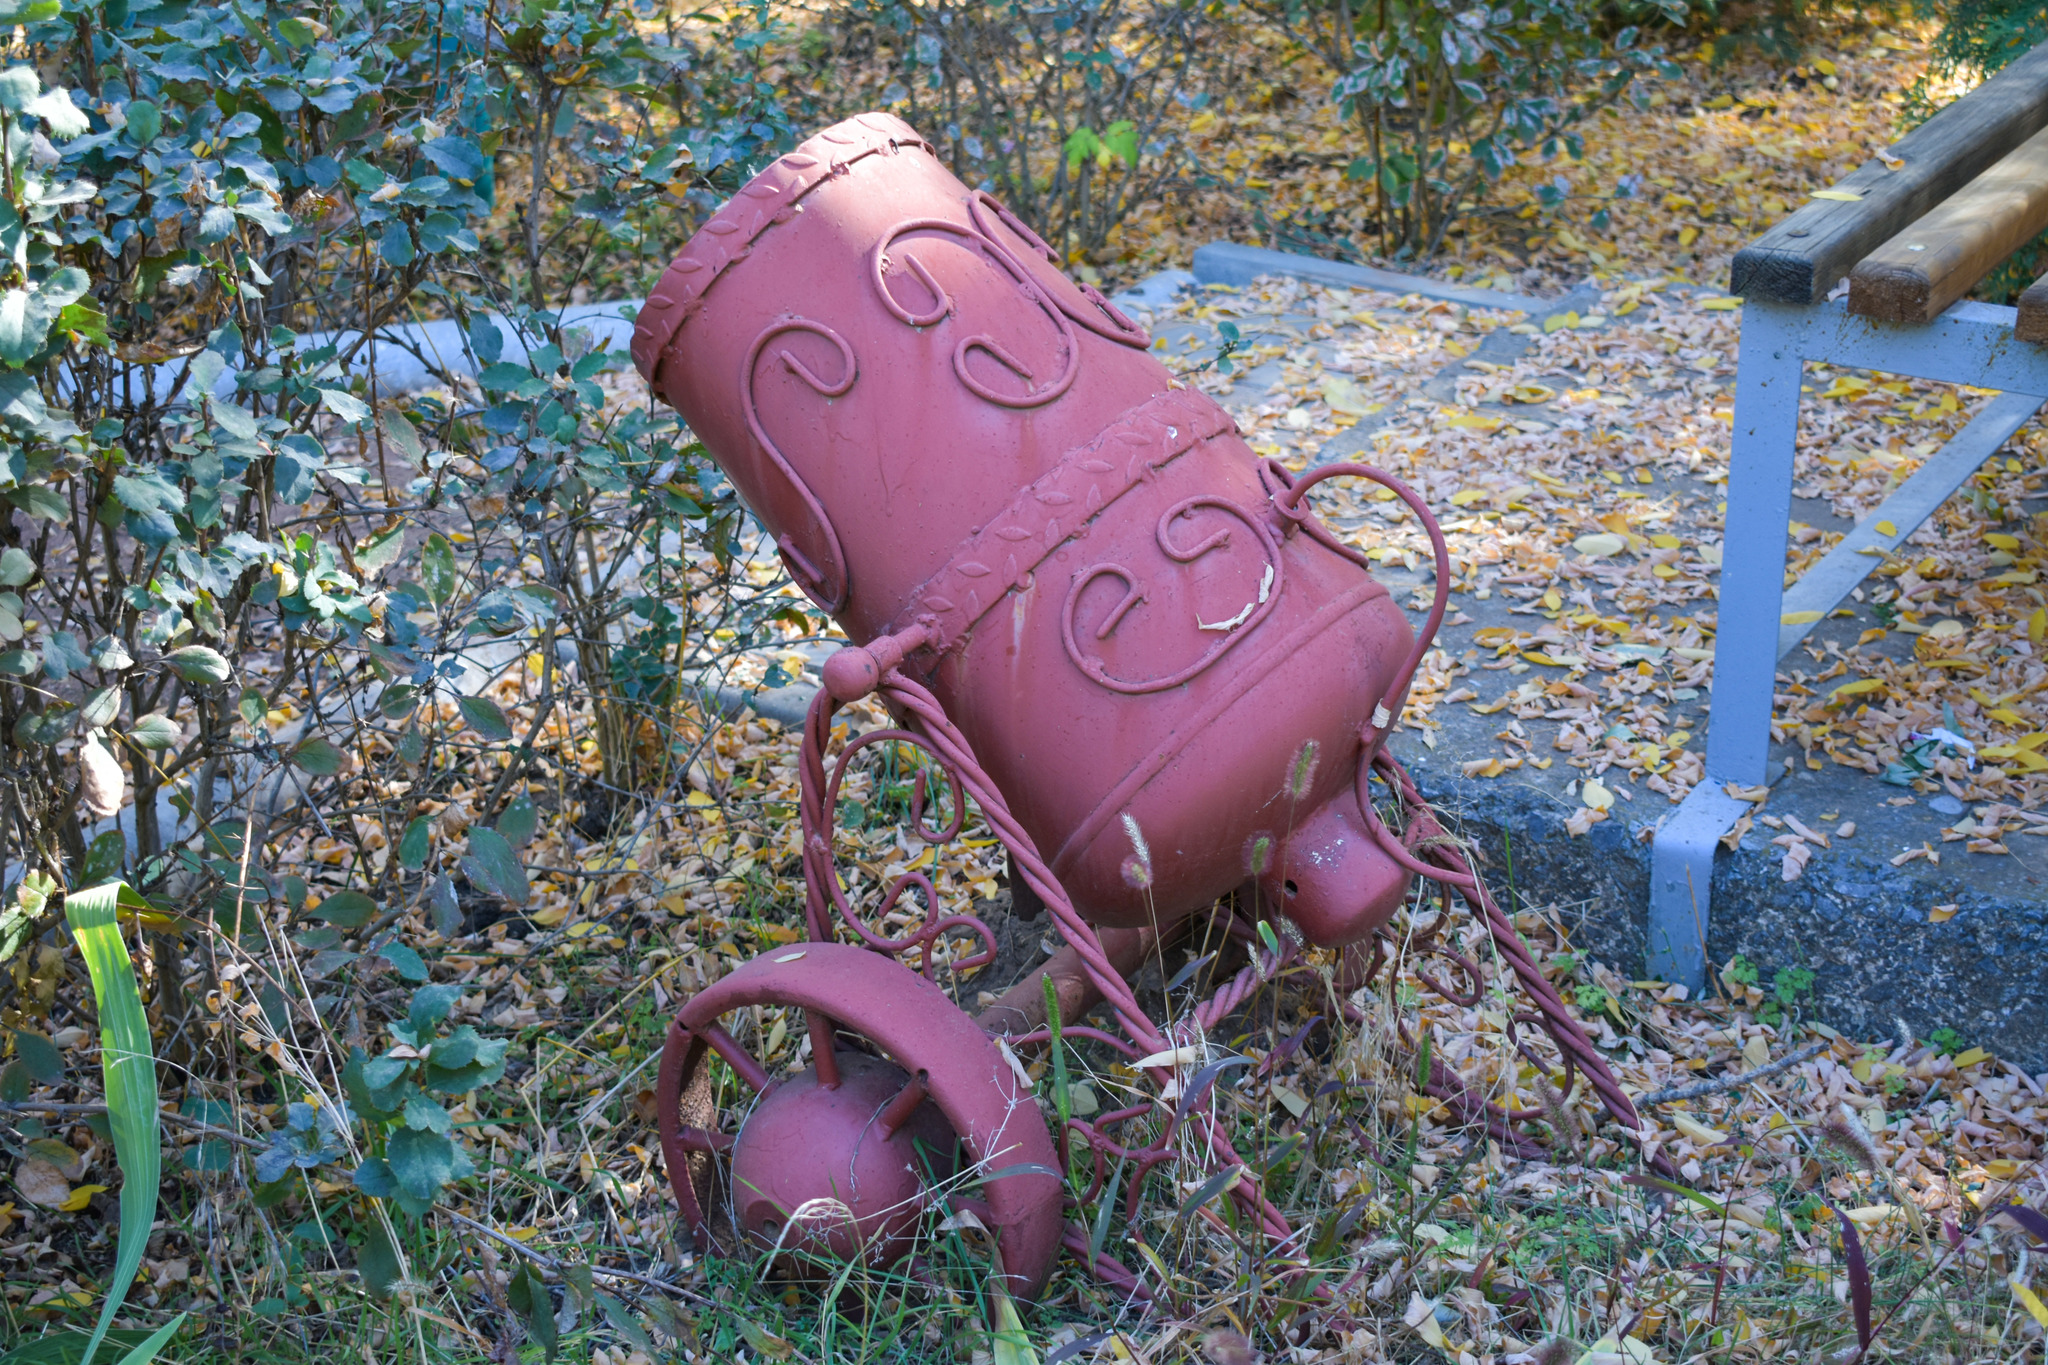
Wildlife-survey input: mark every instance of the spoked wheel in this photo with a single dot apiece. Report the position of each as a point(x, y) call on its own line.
point(838, 1158)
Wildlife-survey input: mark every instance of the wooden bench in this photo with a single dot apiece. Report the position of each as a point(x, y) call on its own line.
point(1913, 231)
point(1803, 258)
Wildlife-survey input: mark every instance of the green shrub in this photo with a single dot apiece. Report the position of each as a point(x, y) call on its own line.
point(1978, 39)
point(250, 593)
point(1446, 98)
point(1068, 112)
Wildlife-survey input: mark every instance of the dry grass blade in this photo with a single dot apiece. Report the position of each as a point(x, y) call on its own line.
point(129, 1066)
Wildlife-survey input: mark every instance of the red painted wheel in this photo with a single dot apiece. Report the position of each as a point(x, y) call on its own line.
point(838, 1157)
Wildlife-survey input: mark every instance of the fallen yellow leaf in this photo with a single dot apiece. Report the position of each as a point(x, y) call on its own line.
point(80, 1197)
point(1838, 196)
point(1344, 395)
point(1421, 1315)
point(1971, 1057)
point(2028, 1300)
point(1700, 1134)
point(1595, 794)
point(1885, 528)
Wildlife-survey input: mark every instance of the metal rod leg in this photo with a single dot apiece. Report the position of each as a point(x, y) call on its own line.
point(1746, 641)
point(1753, 543)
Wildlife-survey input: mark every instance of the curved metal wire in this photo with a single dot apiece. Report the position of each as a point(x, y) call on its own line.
point(818, 808)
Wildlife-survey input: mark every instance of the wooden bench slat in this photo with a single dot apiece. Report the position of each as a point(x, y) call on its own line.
point(2033, 319)
point(1941, 256)
point(1803, 257)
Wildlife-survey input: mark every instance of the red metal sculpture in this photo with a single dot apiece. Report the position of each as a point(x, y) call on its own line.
point(1120, 632)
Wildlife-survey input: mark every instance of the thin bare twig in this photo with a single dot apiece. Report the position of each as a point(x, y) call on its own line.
point(170, 1116)
point(554, 1267)
point(1720, 1083)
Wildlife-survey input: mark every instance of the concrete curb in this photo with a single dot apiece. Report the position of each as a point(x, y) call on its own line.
point(1854, 921)
point(1229, 263)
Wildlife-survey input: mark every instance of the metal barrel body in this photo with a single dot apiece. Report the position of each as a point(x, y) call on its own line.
point(938, 427)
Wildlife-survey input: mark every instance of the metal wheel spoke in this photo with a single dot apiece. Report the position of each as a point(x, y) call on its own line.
point(738, 1058)
point(824, 1045)
point(898, 1111)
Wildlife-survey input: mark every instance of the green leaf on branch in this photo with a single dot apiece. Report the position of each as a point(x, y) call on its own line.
point(104, 858)
point(437, 569)
point(484, 717)
point(529, 1298)
point(315, 755)
point(154, 731)
point(377, 1260)
point(14, 12)
point(422, 1162)
point(63, 118)
point(346, 909)
point(199, 664)
point(519, 822)
point(85, 322)
point(415, 843)
point(345, 405)
point(145, 122)
point(494, 867)
point(465, 1060)
point(19, 85)
point(406, 962)
point(26, 314)
point(100, 708)
point(43, 1059)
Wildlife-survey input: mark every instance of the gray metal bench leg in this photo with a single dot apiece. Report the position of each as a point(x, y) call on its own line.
point(1767, 376)
point(1681, 880)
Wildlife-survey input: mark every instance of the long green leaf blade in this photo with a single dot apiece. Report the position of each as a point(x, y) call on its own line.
point(129, 1067)
point(145, 1351)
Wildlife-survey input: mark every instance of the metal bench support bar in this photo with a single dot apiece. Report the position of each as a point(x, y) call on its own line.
point(1971, 343)
point(1822, 587)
